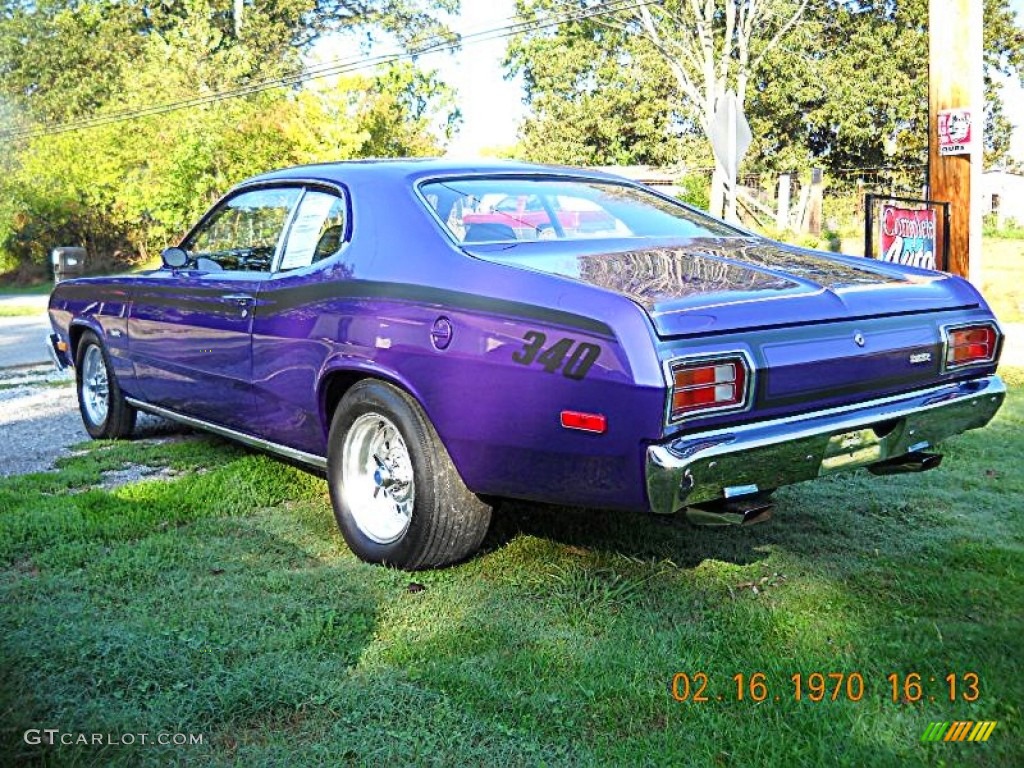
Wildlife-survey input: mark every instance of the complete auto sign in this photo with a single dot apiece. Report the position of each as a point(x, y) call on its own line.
point(908, 236)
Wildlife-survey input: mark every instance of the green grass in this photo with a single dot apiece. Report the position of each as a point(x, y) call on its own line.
point(33, 289)
point(1003, 278)
point(18, 310)
point(224, 603)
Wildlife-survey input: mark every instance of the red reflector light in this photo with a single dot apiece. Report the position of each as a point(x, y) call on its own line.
point(586, 422)
point(708, 385)
point(974, 344)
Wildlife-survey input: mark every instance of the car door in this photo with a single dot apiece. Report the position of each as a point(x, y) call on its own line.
point(297, 321)
point(190, 330)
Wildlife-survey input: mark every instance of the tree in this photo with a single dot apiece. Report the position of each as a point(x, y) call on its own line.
point(403, 111)
point(126, 189)
point(706, 47)
point(854, 93)
point(598, 97)
point(1004, 54)
point(61, 59)
point(846, 87)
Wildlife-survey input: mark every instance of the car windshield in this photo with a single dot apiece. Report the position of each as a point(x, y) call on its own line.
point(504, 209)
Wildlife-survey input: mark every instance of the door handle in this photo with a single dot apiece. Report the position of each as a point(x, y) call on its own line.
point(239, 298)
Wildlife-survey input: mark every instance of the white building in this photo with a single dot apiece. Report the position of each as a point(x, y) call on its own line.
point(1002, 194)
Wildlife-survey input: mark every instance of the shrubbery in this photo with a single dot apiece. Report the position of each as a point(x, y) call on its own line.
point(127, 189)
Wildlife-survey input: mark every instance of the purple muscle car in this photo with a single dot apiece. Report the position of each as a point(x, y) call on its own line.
point(380, 322)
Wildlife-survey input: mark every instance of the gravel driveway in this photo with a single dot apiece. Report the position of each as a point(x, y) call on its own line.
point(39, 419)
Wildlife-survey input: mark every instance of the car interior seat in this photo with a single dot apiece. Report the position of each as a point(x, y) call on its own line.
point(480, 233)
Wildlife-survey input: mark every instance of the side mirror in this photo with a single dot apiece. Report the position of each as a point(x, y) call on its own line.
point(174, 257)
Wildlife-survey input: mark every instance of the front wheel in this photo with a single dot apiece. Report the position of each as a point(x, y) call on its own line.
point(397, 497)
point(105, 413)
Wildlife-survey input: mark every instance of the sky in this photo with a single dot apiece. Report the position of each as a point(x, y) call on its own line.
point(492, 107)
point(1013, 98)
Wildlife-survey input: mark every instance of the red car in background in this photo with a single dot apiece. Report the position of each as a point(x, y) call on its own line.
point(529, 218)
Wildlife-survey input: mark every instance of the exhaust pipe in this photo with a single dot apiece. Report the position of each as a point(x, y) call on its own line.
point(916, 461)
point(756, 509)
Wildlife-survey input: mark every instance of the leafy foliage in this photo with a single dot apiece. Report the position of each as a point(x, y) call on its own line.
point(126, 189)
point(598, 95)
point(846, 87)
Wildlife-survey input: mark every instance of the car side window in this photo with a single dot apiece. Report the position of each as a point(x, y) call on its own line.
point(317, 232)
point(244, 232)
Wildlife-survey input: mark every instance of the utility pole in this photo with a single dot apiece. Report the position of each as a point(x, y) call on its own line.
point(782, 215)
point(956, 94)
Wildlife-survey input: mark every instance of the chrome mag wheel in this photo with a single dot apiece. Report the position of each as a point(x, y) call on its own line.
point(377, 478)
point(95, 386)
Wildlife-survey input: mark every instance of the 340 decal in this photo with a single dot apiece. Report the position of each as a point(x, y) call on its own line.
point(575, 360)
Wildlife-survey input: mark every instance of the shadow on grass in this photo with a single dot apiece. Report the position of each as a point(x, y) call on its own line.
point(225, 603)
point(822, 521)
point(635, 535)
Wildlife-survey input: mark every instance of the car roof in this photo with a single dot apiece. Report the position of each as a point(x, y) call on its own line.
point(412, 170)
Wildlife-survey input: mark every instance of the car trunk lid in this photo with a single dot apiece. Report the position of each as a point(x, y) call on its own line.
point(719, 285)
point(817, 327)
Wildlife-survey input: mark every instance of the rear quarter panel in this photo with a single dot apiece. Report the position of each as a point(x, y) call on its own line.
point(372, 312)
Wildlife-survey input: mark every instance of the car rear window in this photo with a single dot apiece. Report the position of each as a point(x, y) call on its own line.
point(504, 209)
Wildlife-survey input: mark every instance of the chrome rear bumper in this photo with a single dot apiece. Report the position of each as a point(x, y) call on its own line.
point(761, 456)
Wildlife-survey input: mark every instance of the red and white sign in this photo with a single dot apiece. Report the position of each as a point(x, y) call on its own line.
point(955, 134)
point(908, 236)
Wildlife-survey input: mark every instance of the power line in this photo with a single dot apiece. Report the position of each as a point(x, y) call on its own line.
point(327, 69)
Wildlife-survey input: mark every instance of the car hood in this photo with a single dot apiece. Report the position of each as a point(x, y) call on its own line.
point(719, 285)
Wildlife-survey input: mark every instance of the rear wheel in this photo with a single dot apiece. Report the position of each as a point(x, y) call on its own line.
point(105, 413)
point(397, 497)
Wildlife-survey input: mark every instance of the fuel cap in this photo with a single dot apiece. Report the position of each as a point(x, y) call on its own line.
point(441, 333)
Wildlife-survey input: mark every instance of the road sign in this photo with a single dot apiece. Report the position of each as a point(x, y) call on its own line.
point(730, 133)
point(730, 138)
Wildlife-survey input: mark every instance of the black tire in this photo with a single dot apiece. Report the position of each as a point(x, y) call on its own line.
point(117, 419)
point(444, 522)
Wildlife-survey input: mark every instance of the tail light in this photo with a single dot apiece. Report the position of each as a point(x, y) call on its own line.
point(970, 345)
point(708, 385)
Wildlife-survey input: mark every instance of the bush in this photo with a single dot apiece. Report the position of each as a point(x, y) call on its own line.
point(695, 190)
point(1009, 228)
point(834, 240)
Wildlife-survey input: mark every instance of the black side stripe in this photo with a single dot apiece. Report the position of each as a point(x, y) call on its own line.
point(272, 300)
point(289, 298)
